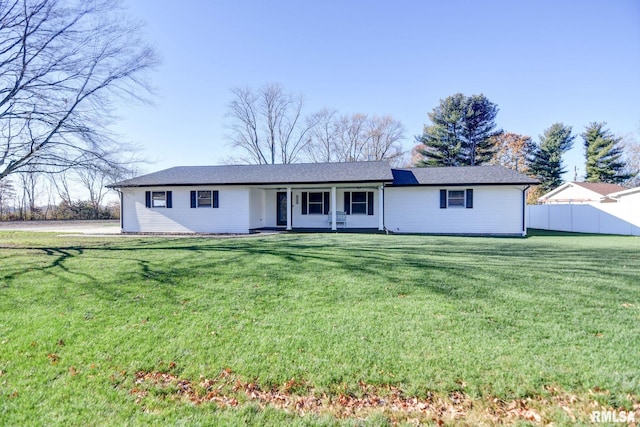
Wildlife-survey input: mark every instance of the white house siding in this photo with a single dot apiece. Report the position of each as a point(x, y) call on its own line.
point(232, 215)
point(631, 199)
point(256, 208)
point(496, 210)
point(574, 194)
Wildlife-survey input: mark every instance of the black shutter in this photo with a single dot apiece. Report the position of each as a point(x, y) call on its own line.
point(304, 202)
point(469, 198)
point(326, 202)
point(215, 200)
point(193, 199)
point(443, 199)
point(370, 203)
point(169, 201)
point(347, 202)
point(147, 199)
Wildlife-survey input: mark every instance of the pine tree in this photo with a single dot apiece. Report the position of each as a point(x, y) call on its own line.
point(546, 161)
point(604, 155)
point(461, 132)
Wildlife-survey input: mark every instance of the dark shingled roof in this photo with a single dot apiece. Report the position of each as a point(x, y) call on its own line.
point(296, 173)
point(459, 175)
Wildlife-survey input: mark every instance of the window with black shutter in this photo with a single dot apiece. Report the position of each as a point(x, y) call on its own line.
point(456, 199)
point(359, 203)
point(316, 203)
point(204, 199)
point(157, 199)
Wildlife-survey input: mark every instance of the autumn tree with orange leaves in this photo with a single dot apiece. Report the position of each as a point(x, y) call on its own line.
point(512, 151)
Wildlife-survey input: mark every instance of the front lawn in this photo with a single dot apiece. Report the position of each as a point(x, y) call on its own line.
point(112, 331)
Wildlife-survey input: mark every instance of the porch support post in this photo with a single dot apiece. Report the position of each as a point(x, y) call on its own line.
point(381, 209)
point(334, 225)
point(289, 210)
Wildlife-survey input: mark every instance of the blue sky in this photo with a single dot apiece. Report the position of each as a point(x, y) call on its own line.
point(540, 61)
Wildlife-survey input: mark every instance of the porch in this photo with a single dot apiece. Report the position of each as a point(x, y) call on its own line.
point(318, 208)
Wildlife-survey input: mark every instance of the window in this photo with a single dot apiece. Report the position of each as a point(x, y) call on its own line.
point(204, 199)
point(157, 199)
point(315, 203)
point(358, 202)
point(456, 199)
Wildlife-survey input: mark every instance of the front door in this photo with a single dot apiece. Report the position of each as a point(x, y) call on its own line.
point(282, 208)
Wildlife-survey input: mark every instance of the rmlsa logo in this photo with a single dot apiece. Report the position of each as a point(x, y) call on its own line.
point(613, 417)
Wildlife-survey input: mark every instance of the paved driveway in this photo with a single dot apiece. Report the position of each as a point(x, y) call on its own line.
point(75, 227)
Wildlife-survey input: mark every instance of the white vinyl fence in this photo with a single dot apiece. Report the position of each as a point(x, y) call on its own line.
point(603, 218)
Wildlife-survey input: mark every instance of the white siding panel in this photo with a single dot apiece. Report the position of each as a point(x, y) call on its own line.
point(496, 210)
point(574, 193)
point(270, 207)
point(231, 217)
point(633, 198)
point(256, 206)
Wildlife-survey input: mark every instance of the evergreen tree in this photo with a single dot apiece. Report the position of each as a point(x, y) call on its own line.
point(479, 129)
point(604, 155)
point(461, 132)
point(546, 161)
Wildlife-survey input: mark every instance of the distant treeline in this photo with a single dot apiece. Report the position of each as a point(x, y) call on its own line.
point(81, 209)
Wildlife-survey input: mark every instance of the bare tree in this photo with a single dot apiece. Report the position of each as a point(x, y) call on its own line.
point(94, 180)
point(62, 184)
point(30, 182)
point(632, 161)
point(7, 193)
point(353, 137)
point(323, 136)
point(385, 134)
point(356, 137)
point(63, 64)
point(267, 125)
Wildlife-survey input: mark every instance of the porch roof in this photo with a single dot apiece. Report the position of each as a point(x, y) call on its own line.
point(289, 174)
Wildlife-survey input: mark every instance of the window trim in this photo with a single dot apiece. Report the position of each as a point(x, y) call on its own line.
point(198, 198)
point(325, 203)
point(457, 200)
point(369, 200)
point(467, 199)
point(195, 199)
point(149, 200)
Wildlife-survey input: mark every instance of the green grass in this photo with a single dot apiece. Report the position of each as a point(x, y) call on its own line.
point(491, 317)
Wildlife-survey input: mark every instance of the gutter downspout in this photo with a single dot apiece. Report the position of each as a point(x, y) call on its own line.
point(524, 211)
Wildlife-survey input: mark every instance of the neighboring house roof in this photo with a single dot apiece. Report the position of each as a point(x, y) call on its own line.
point(599, 189)
point(314, 173)
point(295, 173)
point(625, 192)
point(459, 175)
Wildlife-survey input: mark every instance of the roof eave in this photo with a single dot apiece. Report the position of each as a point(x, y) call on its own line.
point(366, 181)
point(458, 184)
